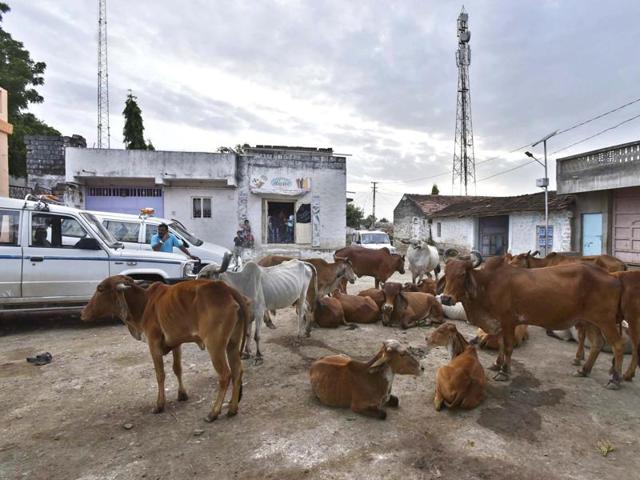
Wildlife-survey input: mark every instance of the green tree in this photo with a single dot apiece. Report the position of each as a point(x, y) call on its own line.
point(383, 220)
point(354, 215)
point(133, 130)
point(19, 75)
point(150, 145)
point(435, 190)
point(369, 222)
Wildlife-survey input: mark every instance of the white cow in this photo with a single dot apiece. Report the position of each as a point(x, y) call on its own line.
point(270, 288)
point(423, 259)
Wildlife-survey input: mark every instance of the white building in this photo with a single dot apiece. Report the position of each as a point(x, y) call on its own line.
point(293, 197)
point(495, 225)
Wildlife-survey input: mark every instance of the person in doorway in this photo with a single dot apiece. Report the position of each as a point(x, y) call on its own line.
point(290, 229)
point(163, 241)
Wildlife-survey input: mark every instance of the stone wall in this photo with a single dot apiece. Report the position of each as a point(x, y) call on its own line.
point(46, 160)
point(403, 221)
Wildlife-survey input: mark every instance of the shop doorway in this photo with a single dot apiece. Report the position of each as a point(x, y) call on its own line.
point(280, 222)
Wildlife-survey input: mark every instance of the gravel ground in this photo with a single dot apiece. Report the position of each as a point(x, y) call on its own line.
point(87, 415)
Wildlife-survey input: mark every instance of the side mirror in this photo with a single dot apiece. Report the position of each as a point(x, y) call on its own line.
point(87, 243)
point(185, 244)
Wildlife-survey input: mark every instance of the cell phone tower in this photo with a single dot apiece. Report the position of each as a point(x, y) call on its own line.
point(104, 132)
point(464, 164)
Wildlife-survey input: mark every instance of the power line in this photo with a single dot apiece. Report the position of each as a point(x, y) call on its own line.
point(507, 171)
point(598, 116)
point(596, 134)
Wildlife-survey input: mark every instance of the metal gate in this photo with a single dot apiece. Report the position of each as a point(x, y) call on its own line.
point(626, 224)
point(493, 235)
point(125, 199)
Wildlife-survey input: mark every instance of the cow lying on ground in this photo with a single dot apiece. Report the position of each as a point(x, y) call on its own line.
point(210, 314)
point(425, 285)
point(375, 294)
point(499, 297)
point(329, 314)
point(365, 387)
point(358, 309)
point(461, 383)
point(379, 264)
point(271, 288)
point(409, 308)
point(423, 259)
point(492, 342)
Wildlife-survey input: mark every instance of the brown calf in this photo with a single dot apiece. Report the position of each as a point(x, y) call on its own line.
point(492, 342)
point(365, 387)
point(379, 264)
point(358, 309)
point(409, 308)
point(208, 313)
point(461, 383)
point(329, 314)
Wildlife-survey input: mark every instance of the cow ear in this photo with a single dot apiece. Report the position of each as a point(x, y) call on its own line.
point(121, 306)
point(381, 360)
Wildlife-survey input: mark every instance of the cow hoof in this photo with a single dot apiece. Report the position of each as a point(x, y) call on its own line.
point(258, 361)
point(577, 362)
point(232, 413)
point(157, 410)
point(495, 367)
point(393, 401)
point(270, 324)
point(382, 415)
point(580, 373)
point(210, 418)
point(628, 378)
point(612, 385)
point(501, 377)
point(245, 355)
point(474, 340)
point(183, 397)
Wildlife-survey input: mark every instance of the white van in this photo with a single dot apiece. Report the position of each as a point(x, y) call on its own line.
point(53, 257)
point(372, 239)
point(135, 232)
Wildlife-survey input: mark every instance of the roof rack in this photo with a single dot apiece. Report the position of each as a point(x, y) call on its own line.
point(42, 201)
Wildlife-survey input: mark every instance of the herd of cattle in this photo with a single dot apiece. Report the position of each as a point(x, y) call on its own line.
point(501, 296)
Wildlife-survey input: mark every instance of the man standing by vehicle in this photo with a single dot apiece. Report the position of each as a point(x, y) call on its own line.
point(163, 241)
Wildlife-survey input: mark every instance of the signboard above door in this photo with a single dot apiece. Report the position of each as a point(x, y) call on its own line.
point(280, 185)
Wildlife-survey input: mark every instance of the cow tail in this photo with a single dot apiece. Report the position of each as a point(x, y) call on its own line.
point(244, 312)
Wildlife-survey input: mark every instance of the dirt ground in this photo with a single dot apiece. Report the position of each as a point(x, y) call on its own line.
point(66, 420)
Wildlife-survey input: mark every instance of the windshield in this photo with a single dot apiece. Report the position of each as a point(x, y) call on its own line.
point(97, 227)
point(189, 237)
point(375, 238)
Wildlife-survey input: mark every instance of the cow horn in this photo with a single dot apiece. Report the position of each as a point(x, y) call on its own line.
point(122, 286)
point(225, 264)
point(529, 253)
point(477, 258)
point(536, 253)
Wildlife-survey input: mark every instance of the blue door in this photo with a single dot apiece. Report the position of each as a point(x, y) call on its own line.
point(592, 234)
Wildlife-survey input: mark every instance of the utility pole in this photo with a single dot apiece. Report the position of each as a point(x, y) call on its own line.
point(374, 187)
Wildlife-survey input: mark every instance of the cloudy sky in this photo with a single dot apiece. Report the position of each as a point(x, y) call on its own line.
point(372, 79)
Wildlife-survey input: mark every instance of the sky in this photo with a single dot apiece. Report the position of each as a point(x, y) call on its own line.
point(375, 80)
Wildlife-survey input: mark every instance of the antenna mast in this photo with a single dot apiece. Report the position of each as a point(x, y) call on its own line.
point(104, 132)
point(464, 164)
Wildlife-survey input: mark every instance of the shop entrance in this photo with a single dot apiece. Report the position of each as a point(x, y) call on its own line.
point(280, 222)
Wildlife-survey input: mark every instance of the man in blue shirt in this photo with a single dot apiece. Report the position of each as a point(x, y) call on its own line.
point(163, 241)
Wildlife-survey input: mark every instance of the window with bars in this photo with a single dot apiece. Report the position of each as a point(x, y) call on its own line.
point(201, 207)
point(125, 192)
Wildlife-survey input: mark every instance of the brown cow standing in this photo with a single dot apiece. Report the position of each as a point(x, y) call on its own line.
point(365, 387)
point(208, 313)
point(499, 297)
point(630, 307)
point(408, 308)
point(358, 309)
point(329, 314)
point(377, 263)
point(529, 260)
point(461, 383)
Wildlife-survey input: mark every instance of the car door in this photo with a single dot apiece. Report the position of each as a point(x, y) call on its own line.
point(56, 260)
point(124, 231)
point(10, 253)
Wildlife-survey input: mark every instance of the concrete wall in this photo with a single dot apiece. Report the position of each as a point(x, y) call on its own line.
point(460, 233)
point(403, 221)
point(5, 130)
point(164, 168)
point(522, 231)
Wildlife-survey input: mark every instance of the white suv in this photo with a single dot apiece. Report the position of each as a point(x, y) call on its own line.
point(135, 231)
point(53, 257)
point(373, 239)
